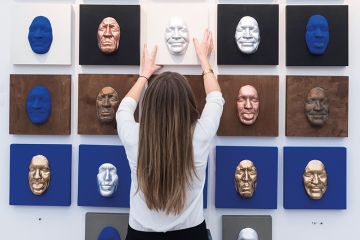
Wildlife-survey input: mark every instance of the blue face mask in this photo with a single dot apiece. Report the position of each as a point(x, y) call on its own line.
point(317, 34)
point(109, 233)
point(38, 104)
point(40, 35)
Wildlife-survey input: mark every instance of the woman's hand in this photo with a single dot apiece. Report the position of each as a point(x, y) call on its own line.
point(147, 65)
point(204, 48)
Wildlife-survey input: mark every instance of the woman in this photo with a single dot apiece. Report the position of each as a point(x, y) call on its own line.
point(168, 150)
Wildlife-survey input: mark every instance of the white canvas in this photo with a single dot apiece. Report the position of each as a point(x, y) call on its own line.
point(60, 18)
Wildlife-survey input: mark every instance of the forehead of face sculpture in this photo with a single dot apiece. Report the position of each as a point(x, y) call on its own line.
point(315, 166)
point(39, 161)
point(248, 21)
point(317, 20)
point(109, 233)
point(110, 21)
point(107, 91)
point(248, 234)
point(248, 90)
point(246, 164)
point(106, 166)
point(176, 22)
point(316, 93)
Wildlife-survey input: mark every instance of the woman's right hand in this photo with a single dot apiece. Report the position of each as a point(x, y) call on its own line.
point(147, 65)
point(204, 48)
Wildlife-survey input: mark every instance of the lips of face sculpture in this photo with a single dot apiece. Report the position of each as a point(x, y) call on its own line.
point(248, 105)
point(177, 36)
point(247, 35)
point(245, 178)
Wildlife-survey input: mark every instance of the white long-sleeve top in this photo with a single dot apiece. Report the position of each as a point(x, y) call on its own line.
point(141, 217)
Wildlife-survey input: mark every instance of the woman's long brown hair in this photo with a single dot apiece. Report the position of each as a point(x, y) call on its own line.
point(166, 159)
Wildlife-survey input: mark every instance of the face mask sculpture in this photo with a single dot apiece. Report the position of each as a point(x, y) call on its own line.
point(39, 174)
point(107, 103)
point(109, 233)
point(315, 179)
point(247, 35)
point(40, 35)
point(245, 178)
point(248, 105)
point(248, 234)
point(317, 107)
point(317, 34)
point(177, 36)
point(107, 179)
point(108, 35)
point(38, 104)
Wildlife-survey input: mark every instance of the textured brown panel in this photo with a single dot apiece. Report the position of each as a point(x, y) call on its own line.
point(336, 88)
point(59, 87)
point(197, 86)
point(267, 121)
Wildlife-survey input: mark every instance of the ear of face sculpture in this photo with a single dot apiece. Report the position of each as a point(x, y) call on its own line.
point(38, 104)
point(39, 174)
point(315, 179)
point(109, 233)
point(40, 35)
point(108, 35)
point(248, 105)
point(317, 107)
point(247, 35)
point(177, 36)
point(107, 179)
point(245, 178)
point(107, 103)
point(317, 34)
point(248, 234)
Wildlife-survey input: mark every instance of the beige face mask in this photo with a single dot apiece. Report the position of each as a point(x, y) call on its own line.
point(39, 174)
point(245, 178)
point(108, 35)
point(315, 179)
point(107, 102)
point(248, 105)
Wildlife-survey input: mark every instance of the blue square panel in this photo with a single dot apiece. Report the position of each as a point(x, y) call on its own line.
point(295, 162)
point(58, 192)
point(265, 160)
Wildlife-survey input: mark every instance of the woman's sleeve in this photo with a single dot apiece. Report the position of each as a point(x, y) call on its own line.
point(125, 120)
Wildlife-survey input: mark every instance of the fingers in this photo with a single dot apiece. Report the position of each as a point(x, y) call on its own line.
point(153, 52)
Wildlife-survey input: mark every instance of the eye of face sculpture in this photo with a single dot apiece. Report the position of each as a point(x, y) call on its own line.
point(248, 234)
point(317, 107)
point(247, 35)
point(108, 35)
point(107, 103)
point(38, 104)
point(245, 178)
point(107, 179)
point(40, 35)
point(177, 36)
point(248, 105)
point(315, 179)
point(109, 233)
point(39, 174)
point(317, 34)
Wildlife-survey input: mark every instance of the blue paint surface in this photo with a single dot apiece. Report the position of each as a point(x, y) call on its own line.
point(38, 104)
point(109, 233)
point(40, 35)
point(317, 34)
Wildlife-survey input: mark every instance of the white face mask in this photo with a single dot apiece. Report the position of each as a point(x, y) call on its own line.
point(248, 234)
point(177, 36)
point(247, 35)
point(107, 179)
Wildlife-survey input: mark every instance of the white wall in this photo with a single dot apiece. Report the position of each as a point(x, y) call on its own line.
point(58, 223)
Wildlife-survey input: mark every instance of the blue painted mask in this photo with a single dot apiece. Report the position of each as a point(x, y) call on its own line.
point(40, 35)
point(38, 104)
point(317, 34)
point(109, 233)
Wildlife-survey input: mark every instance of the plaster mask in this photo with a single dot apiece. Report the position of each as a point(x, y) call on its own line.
point(177, 36)
point(247, 35)
point(248, 234)
point(40, 35)
point(108, 35)
point(245, 178)
point(39, 174)
point(317, 34)
point(38, 104)
point(317, 107)
point(315, 179)
point(107, 179)
point(107, 102)
point(109, 233)
point(248, 105)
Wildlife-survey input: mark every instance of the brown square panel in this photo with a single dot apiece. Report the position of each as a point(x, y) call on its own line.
point(336, 90)
point(266, 123)
point(197, 86)
point(59, 87)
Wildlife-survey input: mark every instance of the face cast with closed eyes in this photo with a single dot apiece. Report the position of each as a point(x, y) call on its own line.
point(107, 179)
point(40, 35)
point(317, 34)
point(107, 103)
point(315, 179)
point(245, 178)
point(248, 105)
point(247, 35)
point(317, 107)
point(39, 174)
point(108, 35)
point(177, 36)
point(38, 104)
point(248, 234)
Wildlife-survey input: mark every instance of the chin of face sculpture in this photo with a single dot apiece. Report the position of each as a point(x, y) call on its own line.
point(245, 178)
point(40, 35)
point(107, 103)
point(248, 105)
point(317, 34)
point(247, 35)
point(108, 35)
point(107, 179)
point(317, 107)
point(248, 234)
point(315, 179)
point(177, 36)
point(109, 233)
point(38, 104)
point(39, 174)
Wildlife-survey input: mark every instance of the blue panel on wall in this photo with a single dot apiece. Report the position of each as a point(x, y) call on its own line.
point(265, 161)
point(295, 161)
point(59, 191)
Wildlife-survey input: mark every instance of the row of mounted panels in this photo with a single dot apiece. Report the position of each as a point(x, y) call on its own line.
point(247, 34)
point(316, 106)
point(40, 174)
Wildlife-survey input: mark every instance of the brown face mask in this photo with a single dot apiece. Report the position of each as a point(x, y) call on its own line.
point(107, 103)
point(317, 107)
point(108, 35)
point(248, 105)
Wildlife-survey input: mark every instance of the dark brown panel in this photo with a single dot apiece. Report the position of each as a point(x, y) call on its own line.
point(197, 86)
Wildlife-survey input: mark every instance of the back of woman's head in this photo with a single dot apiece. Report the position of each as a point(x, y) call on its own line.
point(166, 161)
